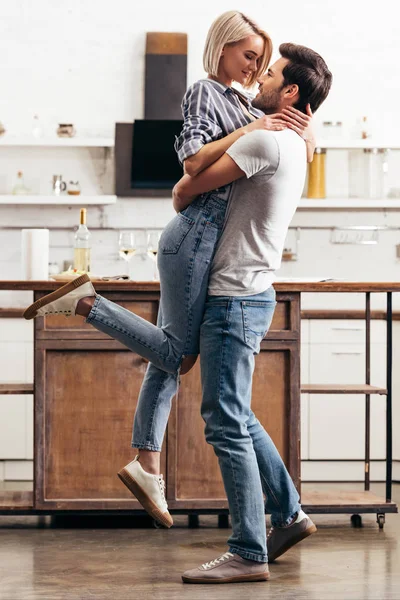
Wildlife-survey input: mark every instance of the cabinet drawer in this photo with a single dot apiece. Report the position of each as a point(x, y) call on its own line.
point(305, 331)
point(337, 364)
point(142, 308)
point(286, 320)
point(336, 331)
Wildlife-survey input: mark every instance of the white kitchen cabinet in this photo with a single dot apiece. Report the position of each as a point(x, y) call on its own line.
point(337, 421)
point(16, 362)
point(338, 331)
point(305, 398)
point(13, 427)
point(341, 364)
point(304, 426)
point(337, 427)
point(16, 411)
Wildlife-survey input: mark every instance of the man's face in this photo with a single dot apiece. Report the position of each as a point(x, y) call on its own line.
point(270, 97)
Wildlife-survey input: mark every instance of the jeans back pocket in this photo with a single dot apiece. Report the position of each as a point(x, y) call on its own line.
point(257, 318)
point(175, 233)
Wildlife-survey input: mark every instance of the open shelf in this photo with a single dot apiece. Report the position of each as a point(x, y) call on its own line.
point(348, 144)
point(16, 501)
point(11, 313)
point(75, 142)
point(16, 388)
point(360, 203)
point(363, 388)
point(81, 199)
point(314, 501)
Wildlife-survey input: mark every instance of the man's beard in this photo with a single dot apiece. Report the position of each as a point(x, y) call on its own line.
point(268, 102)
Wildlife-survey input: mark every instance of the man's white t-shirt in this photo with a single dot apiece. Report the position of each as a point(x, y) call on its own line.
point(261, 207)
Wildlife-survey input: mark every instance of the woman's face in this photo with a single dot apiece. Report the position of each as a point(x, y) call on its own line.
point(239, 60)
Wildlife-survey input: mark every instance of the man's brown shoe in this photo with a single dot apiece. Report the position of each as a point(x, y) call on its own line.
point(227, 568)
point(280, 539)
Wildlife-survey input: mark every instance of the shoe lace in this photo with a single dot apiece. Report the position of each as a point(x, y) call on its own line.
point(217, 561)
point(161, 483)
point(270, 532)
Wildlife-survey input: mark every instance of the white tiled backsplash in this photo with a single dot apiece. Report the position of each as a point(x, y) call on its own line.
point(317, 256)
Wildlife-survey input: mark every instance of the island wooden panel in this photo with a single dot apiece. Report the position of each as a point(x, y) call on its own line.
point(85, 401)
point(86, 389)
point(194, 479)
point(146, 308)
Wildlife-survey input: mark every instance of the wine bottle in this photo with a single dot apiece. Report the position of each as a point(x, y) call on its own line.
point(82, 245)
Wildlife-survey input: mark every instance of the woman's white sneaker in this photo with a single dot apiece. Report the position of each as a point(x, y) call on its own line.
point(149, 489)
point(62, 301)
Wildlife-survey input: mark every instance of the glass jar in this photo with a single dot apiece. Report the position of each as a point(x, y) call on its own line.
point(66, 130)
point(327, 130)
point(368, 173)
point(337, 130)
point(316, 175)
point(73, 188)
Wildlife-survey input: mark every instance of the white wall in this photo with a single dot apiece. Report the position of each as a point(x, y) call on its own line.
point(83, 62)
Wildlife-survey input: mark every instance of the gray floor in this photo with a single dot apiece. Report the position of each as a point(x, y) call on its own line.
point(53, 561)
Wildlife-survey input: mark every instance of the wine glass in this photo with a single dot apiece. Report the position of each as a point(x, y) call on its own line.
point(127, 245)
point(153, 238)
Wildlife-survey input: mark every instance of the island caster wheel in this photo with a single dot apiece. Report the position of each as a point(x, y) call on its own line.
point(356, 521)
point(223, 521)
point(193, 521)
point(380, 519)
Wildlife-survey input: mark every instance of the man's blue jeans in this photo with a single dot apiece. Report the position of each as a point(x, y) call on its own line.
point(230, 337)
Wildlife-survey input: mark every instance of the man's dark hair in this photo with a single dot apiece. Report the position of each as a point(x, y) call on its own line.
point(309, 71)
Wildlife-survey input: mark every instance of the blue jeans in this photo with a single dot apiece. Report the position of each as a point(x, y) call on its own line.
point(186, 249)
point(230, 337)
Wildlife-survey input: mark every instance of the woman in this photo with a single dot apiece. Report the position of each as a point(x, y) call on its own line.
point(215, 116)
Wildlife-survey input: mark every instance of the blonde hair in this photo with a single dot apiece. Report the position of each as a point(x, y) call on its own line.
point(229, 28)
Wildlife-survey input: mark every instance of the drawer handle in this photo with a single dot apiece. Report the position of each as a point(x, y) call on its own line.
point(347, 329)
point(338, 353)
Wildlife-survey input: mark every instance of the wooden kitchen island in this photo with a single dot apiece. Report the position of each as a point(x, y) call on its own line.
point(86, 387)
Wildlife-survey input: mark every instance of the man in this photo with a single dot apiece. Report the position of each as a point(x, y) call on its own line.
point(269, 170)
point(240, 307)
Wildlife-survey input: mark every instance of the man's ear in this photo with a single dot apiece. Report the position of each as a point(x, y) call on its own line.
point(291, 91)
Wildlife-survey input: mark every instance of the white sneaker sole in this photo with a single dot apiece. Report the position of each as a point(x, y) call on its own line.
point(164, 519)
